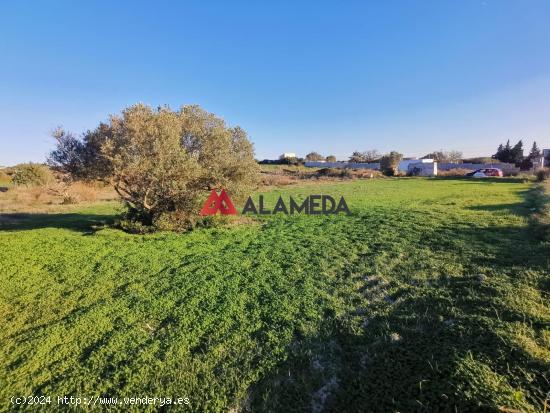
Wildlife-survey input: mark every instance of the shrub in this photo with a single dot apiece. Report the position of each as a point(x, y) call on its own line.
point(543, 174)
point(163, 163)
point(314, 156)
point(366, 173)
point(335, 172)
point(31, 174)
point(390, 162)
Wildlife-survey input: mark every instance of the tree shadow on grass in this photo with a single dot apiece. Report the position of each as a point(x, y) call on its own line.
point(433, 353)
point(443, 344)
point(516, 209)
point(532, 200)
point(86, 223)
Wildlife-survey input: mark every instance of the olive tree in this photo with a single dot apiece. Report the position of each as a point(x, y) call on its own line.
point(80, 159)
point(163, 163)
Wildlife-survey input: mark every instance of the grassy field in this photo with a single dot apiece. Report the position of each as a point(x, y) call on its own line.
point(431, 296)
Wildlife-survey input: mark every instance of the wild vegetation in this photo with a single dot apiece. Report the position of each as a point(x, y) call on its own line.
point(29, 175)
point(431, 296)
point(543, 174)
point(280, 175)
point(389, 163)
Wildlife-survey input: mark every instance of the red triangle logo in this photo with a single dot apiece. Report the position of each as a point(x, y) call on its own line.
point(216, 203)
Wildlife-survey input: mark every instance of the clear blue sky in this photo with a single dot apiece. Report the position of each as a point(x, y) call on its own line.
point(334, 77)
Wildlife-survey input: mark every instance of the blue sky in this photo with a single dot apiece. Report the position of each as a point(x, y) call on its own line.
point(334, 77)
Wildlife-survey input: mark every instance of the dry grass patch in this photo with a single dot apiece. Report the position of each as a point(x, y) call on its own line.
point(283, 175)
point(52, 198)
point(454, 172)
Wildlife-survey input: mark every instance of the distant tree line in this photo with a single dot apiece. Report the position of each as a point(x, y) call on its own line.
point(505, 153)
point(514, 154)
point(444, 157)
point(310, 157)
point(369, 156)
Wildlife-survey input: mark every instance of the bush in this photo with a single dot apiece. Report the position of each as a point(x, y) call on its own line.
point(335, 172)
point(390, 162)
point(314, 156)
point(366, 173)
point(543, 174)
point(163, 163)
point(31, 174)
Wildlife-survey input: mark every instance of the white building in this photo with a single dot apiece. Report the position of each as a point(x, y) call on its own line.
point(542, 161)
point(287, 155)
point(422, 168)
point(404, 165)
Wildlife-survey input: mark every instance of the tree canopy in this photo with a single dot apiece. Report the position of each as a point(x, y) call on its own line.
point(314, 156)
point(162, 162)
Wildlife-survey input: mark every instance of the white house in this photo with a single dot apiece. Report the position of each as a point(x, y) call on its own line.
point(543, 161)
point(423, 168)
point(287, 155)
point(404, 165)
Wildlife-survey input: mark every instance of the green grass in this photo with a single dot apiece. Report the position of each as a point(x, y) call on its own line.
point(432, 296)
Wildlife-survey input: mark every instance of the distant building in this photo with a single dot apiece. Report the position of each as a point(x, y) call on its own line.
point(538, 162)
point(542, 161)
point(404, 164)
point(546, 155)
point(422, 168)
point(287, 155)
